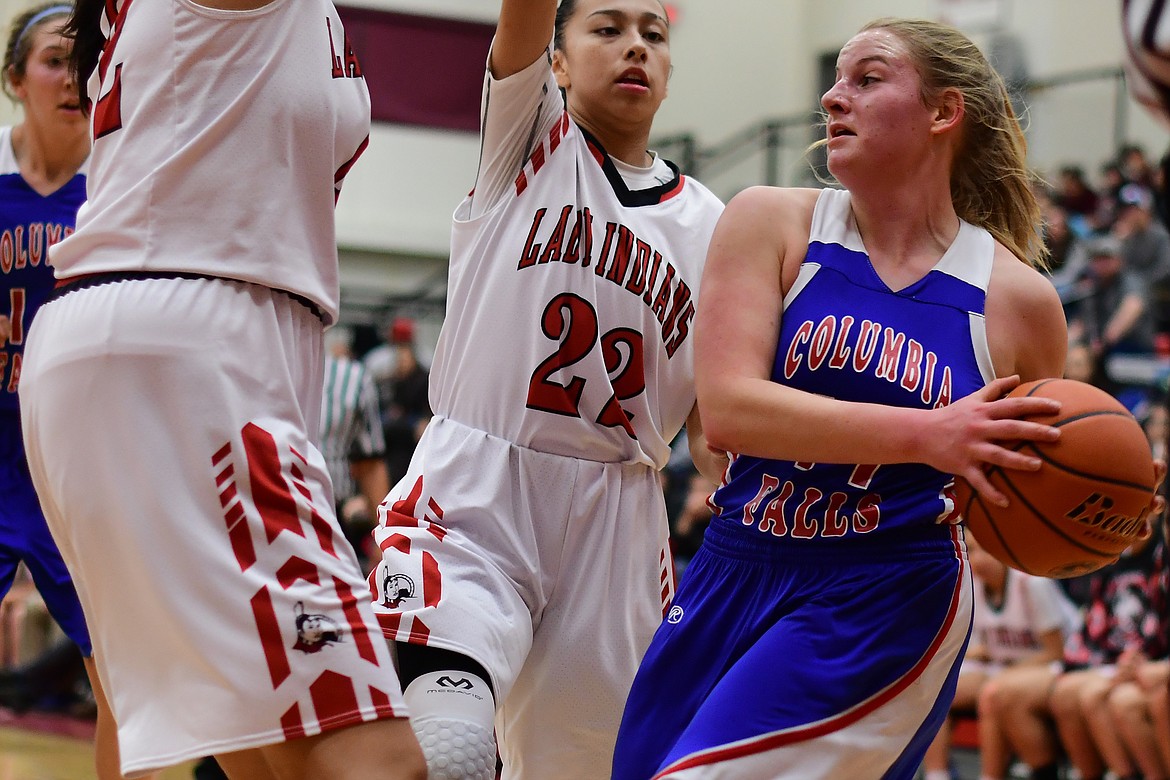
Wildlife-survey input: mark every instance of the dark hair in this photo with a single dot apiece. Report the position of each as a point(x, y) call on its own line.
point(85, 28)
point(20, 41)
point(565, 12)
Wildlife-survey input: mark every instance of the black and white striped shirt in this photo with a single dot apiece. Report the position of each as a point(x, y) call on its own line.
point(351, 425)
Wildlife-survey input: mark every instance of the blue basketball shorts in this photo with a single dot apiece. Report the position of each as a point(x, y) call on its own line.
point(819, 661)
point(24, 536)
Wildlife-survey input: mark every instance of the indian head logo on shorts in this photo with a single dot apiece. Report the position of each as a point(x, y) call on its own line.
point(395, 589)
point(314, 632)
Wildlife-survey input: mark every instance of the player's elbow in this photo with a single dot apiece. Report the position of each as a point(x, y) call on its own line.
point(723, 427)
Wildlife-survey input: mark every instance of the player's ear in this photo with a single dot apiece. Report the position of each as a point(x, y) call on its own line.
point(560, 69)
point(14, 80)
point(949, 112)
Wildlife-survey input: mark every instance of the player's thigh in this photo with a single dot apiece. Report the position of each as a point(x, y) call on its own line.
point(967, 688)
point(459, 569)
point(1071, 690)
point(8, 566)
point(1125, 700)
point(610, 595)
point(1020, 688)
point(382, 749)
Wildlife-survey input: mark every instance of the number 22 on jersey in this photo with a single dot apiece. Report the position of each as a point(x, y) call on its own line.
point(572, 321)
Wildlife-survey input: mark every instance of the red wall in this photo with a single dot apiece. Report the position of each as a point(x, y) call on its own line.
point(421, 70)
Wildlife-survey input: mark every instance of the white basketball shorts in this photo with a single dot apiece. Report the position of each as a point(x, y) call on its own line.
point(551, 572)
point(170, 427)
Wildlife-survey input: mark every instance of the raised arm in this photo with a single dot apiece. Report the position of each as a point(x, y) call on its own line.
point(523, 33)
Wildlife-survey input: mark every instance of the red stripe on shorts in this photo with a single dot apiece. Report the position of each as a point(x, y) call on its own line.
point(297, 569)
point(292, 723)
point(334, 698)
point(270, 639)
point(357, 626)
point(270, 491)
point(432, 581)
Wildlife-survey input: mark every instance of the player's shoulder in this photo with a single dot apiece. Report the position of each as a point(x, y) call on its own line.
point(775, 205)
point(781, 216)
point(1019, 281)
point(1025, 319)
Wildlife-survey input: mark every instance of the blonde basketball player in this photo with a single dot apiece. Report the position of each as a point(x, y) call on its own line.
point(525, 561)
point(172, 386)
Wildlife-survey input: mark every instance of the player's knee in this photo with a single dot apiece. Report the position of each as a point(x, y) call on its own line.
point(1064, 701)
point(989, 703)
point(452, 714)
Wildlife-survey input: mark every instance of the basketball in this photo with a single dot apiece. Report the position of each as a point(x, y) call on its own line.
point(1087, 502)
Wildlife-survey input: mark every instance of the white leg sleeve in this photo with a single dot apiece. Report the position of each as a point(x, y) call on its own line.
point(452, 714)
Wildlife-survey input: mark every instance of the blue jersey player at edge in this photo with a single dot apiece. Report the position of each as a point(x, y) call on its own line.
point(42, 185)
point(853, 349)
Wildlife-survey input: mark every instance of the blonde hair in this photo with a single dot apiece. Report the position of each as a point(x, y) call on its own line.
point(991, 183)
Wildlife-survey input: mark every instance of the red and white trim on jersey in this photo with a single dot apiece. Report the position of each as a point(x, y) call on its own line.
point(541, 152)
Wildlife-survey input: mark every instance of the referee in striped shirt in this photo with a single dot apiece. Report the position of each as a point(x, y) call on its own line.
point(352, 440)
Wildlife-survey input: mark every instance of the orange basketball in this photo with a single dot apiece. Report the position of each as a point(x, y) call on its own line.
point(1085, 505)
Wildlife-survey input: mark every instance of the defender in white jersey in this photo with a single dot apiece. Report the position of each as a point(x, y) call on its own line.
point(172, 390)
point(525, 557)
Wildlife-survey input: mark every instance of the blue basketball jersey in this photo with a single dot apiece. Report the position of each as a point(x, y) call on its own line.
point(846, 334)
point(29, 224)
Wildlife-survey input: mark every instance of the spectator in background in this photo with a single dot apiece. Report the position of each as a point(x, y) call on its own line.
point(1079, 363)
point(689, 524)
point(1076, 196)
point(352, 440)
point(1020, 620)
point(1110, 184)
point(1135, 167)
point(1110, 313)
point(1130, 727)
point(380, 361)
point(404, 391)
point(1157, 427)
point(1145, 247)
point(1123, 621)
point(1110, 706)
point(1161, 205)
point(1067, 259)
point(1137, 727)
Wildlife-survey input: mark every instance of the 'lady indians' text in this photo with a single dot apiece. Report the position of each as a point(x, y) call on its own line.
point(625, 259)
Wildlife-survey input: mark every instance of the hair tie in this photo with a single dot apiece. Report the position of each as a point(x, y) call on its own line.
point(41, 16)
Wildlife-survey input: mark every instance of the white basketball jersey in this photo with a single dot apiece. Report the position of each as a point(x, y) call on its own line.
point(192, 114)
point(571, 299)
point(1031, 606)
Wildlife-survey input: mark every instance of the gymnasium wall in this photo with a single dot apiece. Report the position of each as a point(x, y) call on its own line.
point(740, 62)
point(737, 63)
